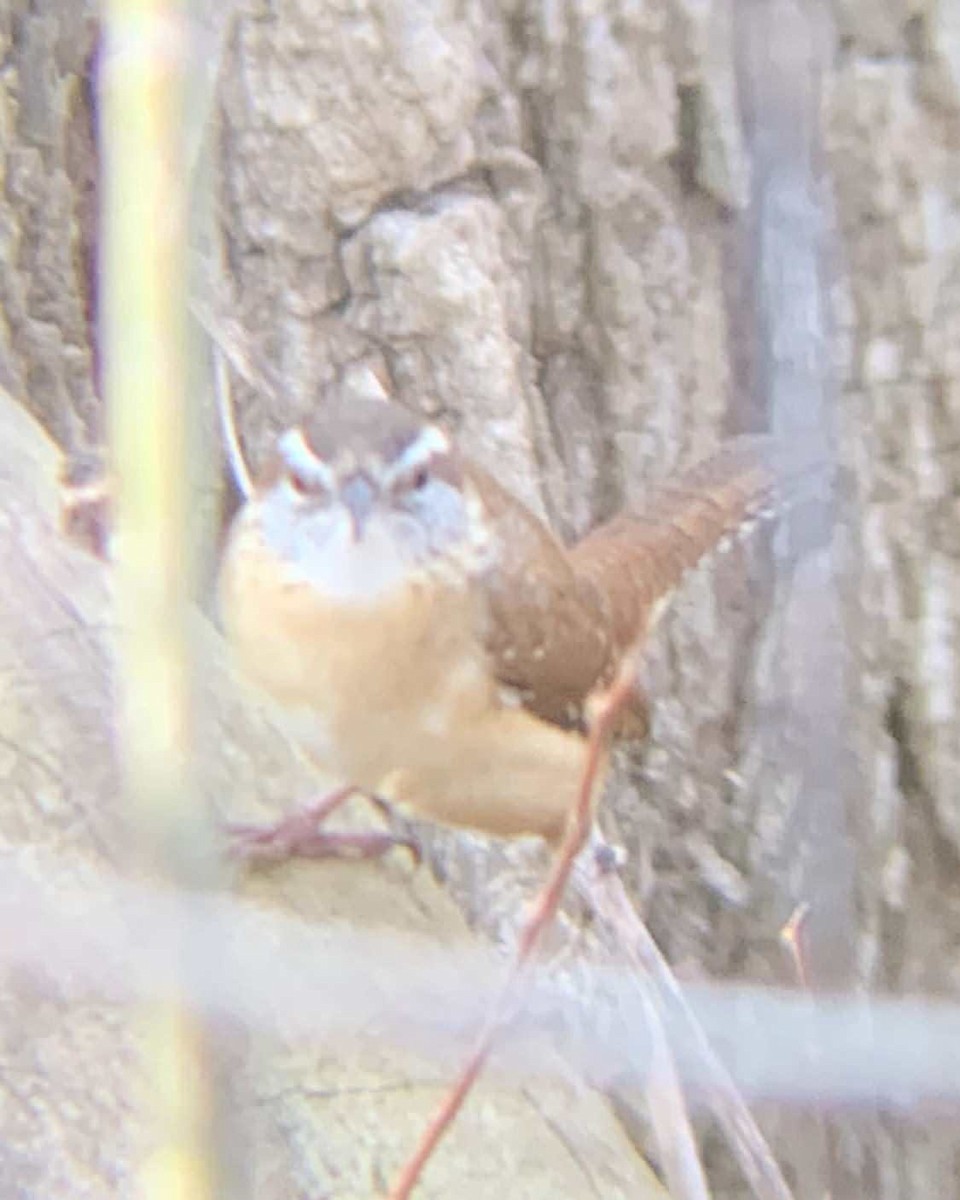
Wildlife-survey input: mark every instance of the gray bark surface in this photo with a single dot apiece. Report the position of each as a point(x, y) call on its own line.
point(593, 237)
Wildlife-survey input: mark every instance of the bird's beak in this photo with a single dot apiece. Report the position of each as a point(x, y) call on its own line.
point(359, 497)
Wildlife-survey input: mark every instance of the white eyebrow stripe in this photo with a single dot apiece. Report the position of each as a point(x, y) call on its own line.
point(300, 458)
point(431, 442)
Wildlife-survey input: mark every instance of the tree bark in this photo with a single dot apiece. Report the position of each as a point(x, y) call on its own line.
point(593, 237)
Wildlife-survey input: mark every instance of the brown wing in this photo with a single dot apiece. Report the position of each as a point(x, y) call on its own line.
point(546, 630)
point(559, 619)
point(637, 559)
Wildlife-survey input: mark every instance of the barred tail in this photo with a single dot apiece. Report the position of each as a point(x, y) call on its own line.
point(636, 561)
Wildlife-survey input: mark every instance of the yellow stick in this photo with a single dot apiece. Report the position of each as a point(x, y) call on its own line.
point(144, 205)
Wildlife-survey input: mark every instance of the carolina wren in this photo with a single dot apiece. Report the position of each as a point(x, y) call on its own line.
point(432, 640)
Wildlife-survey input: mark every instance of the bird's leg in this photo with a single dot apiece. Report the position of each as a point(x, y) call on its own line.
point(300, 835)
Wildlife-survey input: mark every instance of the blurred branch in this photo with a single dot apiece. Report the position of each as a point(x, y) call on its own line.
point(144, 257)
point(84, 933)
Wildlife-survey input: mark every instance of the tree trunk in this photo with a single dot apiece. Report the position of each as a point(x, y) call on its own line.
point(593, 237)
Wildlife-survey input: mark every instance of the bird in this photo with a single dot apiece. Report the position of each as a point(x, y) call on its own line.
point(429, 639)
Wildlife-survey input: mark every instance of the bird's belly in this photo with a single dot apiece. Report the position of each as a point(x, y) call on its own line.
point(368, 690)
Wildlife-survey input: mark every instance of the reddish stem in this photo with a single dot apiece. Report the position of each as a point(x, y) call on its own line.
point(605, 709)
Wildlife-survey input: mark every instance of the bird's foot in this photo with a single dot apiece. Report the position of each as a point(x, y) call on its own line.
point(299, 835)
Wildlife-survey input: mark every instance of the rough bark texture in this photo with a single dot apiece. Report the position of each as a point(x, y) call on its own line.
point(47, 219)
point(592, 236)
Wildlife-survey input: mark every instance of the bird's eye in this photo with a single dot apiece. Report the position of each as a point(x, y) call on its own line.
point(420, 479)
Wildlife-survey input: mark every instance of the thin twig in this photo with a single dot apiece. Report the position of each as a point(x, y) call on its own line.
point(605, 892)
point(603, 711)
point(230, 338)
point(228, 426)
point(668, 1112)
point(792, 938)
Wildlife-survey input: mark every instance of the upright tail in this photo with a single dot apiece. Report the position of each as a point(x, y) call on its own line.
point(636, 560)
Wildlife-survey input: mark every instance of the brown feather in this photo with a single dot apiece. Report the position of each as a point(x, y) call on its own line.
point(546, 628)
point(559, 627)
